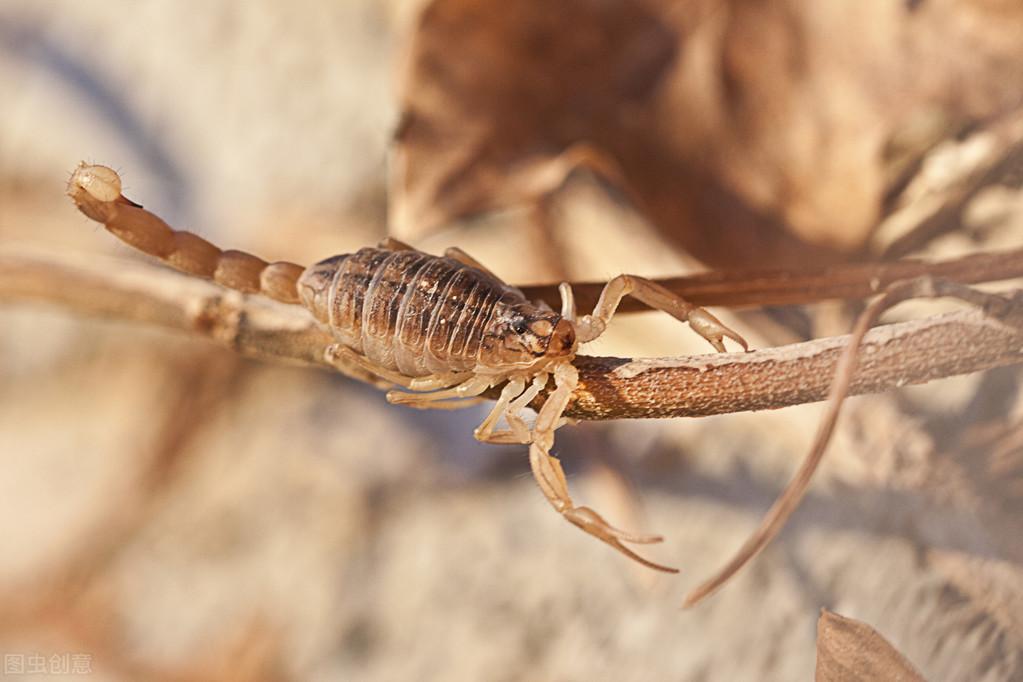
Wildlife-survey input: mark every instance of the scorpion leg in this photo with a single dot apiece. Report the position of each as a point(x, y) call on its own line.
point(518, 432)
point(469, 388)
point(589, 327)
point(455, 253)
point(517, 424)
point(392, 244)
point(551, 477)
point(445, 404)
point(507, 437)
point(431, 402)
point(341, 355)
point(433, 383)
point(567, 301)
point(511, 390)
point(437, 381)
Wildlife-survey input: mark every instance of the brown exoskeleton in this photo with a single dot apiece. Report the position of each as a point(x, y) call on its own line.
point(444, 328)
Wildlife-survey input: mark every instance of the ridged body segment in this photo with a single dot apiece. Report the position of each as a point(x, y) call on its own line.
point(414, 313)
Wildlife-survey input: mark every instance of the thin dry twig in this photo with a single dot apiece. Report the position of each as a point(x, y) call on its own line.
point(140, 292)
point(610, 388)
point(1004, 309)
point(743, 288)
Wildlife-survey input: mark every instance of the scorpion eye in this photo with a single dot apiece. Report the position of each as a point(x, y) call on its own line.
point(519, 325)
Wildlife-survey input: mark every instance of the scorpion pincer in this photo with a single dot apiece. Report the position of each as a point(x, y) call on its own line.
point(444, 328)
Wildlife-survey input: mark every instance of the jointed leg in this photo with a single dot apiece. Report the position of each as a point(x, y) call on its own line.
point(518, 430)
point(416, 401)
point(518, 435)
point(438, 381)
point(468, 389)
point(567, 301)
point(435, 400)
point(392, 244)
point(589, 327)
point(551, 477)
point(341, 355)
point(517, 425)
point(485, 431)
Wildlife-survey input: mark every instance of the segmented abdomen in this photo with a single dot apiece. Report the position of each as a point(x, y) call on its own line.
point(412, 312)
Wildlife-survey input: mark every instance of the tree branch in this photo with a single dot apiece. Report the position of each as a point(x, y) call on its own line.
point(610, 388)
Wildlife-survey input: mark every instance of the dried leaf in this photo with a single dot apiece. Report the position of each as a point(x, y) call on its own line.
point(494, 93)
point(848, 649)
point(751, 133)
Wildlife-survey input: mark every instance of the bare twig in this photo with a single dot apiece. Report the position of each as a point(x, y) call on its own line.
point(140, 292)
point(610, 388)
point(779, 287)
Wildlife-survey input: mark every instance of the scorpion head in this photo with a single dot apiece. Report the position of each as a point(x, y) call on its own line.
point(527, 336)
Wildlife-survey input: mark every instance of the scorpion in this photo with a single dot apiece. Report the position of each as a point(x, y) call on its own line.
point(443, 328)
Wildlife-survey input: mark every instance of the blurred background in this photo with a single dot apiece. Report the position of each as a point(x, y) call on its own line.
point(169, 511)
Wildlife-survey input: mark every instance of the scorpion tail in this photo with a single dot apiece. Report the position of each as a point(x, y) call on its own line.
point(96, 190)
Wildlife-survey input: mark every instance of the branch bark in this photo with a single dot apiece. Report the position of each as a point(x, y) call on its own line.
point(610, 388)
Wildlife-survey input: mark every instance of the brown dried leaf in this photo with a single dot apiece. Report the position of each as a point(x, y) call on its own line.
point(502, 102)
point(494, 93)
point(848, 649)
point(751, 133)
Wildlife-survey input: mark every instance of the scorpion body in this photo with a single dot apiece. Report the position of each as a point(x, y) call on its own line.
point(420, 315)
point(443, 327)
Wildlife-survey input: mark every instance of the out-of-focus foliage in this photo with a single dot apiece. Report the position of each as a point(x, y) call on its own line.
point(750, 133)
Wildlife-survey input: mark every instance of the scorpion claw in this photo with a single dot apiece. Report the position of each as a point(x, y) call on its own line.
point(594, 524)
point(551, 479)
point(584, 517)
point(713, 329)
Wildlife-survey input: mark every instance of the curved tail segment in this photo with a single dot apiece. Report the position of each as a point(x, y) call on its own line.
point(96, 190)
